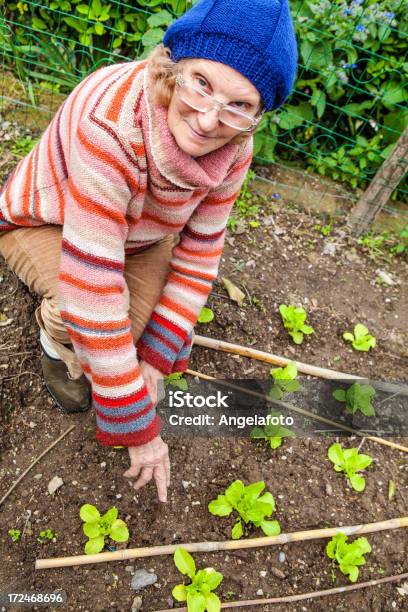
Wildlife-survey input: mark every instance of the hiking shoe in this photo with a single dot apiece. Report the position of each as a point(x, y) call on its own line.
point(71, 395)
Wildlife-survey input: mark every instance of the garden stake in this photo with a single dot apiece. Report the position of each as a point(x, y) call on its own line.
point(305, 368)
point(34, 462)
point(169, 549)
point(302, 596)
point(301, 411)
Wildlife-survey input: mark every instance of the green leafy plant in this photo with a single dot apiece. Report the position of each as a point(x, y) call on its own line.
point(97, 527)
point(349, 461)
point(206, 315)
point(294, 318)
point(250, 507)
point(284, 381)
point(323, 229)
point(401, 245)
point(272, 433)
point(176, 380)
point(361, 340)
point(357, 397)
point(247, 204)
point(198, 594)
point(46, 536)
point(349, 556)
point(15, 534)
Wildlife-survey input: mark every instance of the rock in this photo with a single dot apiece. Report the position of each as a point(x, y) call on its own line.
point(262, 574)
point(37, 476)
point(277, 572)
point(385, 277)
point(259, 592)
point(282, 557)
point(142, 578)
point(137, 603)
point(329, 489)
point(54, 484)
point(329, 249)
point(129, 568)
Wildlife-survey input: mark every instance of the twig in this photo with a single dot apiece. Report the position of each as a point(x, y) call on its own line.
point(169, 549)
point(361, 444)
point(20, 374)
point(35, 462)
point(301, 411)
point(302, 596)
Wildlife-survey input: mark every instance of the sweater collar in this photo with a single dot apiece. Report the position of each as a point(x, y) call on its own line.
point(181, 169)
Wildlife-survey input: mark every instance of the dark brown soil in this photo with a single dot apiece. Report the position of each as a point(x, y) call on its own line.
point(278, 262)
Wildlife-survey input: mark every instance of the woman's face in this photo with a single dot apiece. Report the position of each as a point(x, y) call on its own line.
point(199, 133)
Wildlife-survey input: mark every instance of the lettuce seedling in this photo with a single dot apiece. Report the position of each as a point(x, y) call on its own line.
point(250, 507)
point(206, 315)
point(284, 381)
point(361, 340)
point(97, 527)
point(198, 594)
point(15, 534)
point(46, 535)
point(357, 397)
point(348, 556)
point(273, 434)
point(349, 461)
point(176, 380)
point(294, 321)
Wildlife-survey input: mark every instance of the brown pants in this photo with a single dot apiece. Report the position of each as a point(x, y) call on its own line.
point(34, 255)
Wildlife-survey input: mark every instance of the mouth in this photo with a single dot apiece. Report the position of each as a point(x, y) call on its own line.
point(197, 135)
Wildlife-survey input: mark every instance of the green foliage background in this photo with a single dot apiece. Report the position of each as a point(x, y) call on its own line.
point(347, 110)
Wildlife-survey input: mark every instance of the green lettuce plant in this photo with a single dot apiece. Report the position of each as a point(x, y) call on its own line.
point(349, 556)
point(349, 461)
point(206, 315)
point(284, 381)
point(46, 536)
point(15, 534)
point(198, 594)
point(97, 527)
point(294, 320)
point(361, 339)
point(271, 433)
point(357, 397)
point(250, 507)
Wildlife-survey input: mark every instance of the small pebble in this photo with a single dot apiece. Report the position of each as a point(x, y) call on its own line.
point(262, 573)
point(259, 592)
point(142, 578)
point(129, 568)
point(37, 476)
point(277, 572)
point(282, 557)
point(137, 604)
point(54, 484)
point(329, 489)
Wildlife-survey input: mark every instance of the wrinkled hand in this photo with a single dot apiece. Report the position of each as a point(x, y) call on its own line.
point(149, 461)
point(152, 378)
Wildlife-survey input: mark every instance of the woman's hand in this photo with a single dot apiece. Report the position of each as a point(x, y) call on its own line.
point(147, 461)
point(152, 378)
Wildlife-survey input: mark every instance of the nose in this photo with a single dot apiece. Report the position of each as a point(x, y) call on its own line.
point(208, 121)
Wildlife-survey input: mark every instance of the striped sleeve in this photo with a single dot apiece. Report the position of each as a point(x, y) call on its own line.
point(92, 289)
point(165, 342)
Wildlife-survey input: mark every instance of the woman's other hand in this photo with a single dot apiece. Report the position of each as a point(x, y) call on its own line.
point(149, 461)
point(152, 378)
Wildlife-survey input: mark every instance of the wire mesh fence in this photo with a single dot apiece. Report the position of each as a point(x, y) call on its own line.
point(342, 121)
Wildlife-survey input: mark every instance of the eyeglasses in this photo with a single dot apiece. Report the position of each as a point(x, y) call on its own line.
point(202, 102)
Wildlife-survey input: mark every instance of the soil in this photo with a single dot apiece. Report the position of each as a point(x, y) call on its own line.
point(281, 261)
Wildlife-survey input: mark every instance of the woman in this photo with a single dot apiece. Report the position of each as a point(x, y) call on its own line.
point(138, 153)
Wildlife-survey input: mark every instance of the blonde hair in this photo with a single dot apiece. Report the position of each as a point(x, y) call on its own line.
point(163, 72)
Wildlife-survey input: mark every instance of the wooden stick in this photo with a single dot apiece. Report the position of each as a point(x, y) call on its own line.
point(34, 462)
point(168, 549)
point(301, 411)
point(228, 347)
point(302, 596)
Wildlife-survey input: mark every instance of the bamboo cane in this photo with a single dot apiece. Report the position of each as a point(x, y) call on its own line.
point(301, 411)
point(302, 596)
point(305, 368)
point(168, 549)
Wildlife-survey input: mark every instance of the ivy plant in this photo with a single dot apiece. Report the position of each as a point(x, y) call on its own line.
point(249, 506)
point(349, 556)
point(97, 528)
point(361, 340)
point(199, 593)
point(294, 320)
point(350, 461)
point(357, 397)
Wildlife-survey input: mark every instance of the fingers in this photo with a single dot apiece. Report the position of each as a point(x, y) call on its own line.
point(167, 469)
point(145, 476)
point(133, 471)
point(160, 477)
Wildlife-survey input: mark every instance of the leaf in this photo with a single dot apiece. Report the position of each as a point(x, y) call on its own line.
point(358, 483)
point(220, 506)
point(275, 442)
point(237, 531)
point(213, 578)
point(89, 513)
point(352, 571)
point(179, 592)
point(335, 454)
point(339, 395)
point(195, 602)
point(91, 530)
point(152, 37)
point(159, 19)
point(234, 492)
point(348, 336)
point(289, 372)
point(360, 330)
point(119, 531)
point(234, 293)
point(184, 562)
point(94, 545)
point(213, 603)
point(253, 490)
point(391, 489)
point(206, 315)
point(270, 528)
point(257, 432)
point(110, 515)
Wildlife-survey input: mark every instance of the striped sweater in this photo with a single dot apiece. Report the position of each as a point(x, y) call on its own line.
point(109, 171)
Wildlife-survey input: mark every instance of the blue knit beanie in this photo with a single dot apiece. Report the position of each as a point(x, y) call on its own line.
point(256, 37)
